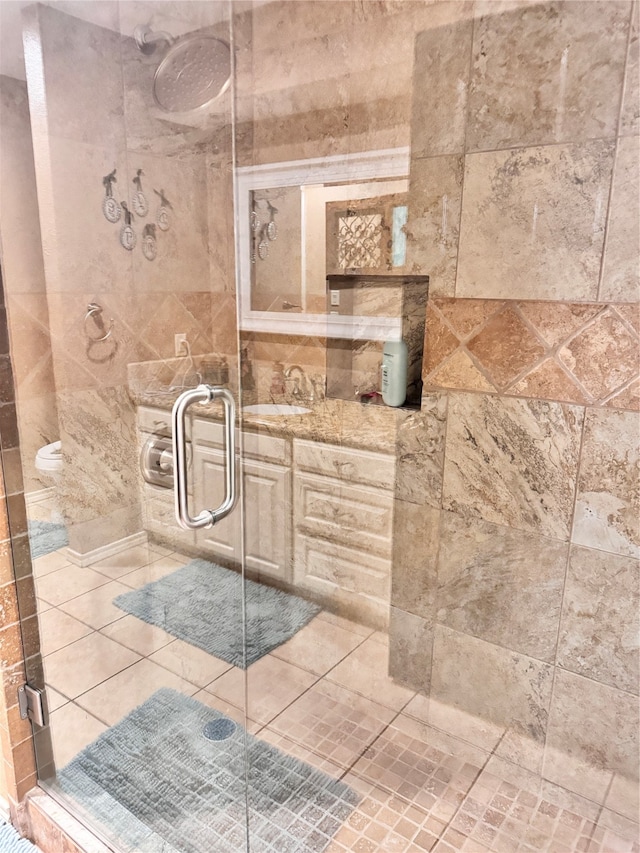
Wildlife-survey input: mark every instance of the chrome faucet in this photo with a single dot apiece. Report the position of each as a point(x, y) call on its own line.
point(300, 390)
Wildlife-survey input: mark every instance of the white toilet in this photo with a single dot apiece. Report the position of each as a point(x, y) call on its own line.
point(49, 459)
point(49, 464)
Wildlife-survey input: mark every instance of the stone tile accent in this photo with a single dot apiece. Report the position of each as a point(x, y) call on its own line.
point(600, 623)
point(533, 222)
point(548, 381)
point(608, 501)
point(512, 462)
point(19, 644)
point(505, 347)
point(570, 352)
point(603, 357)
point(460, 372)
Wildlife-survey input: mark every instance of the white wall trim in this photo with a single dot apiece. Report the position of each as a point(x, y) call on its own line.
point(105, 551)
point(39, 496)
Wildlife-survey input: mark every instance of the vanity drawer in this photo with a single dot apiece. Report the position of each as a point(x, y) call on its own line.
point(363, 467)
point(357, 583)
point(358, 516)
point(256, 445)
point(154, 420)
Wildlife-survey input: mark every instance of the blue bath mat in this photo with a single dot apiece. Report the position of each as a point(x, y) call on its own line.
point(10, 841)
point(160, 784)
point(45, 537)
point(202, 604)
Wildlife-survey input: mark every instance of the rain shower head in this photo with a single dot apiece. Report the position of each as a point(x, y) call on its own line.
point(194, 72)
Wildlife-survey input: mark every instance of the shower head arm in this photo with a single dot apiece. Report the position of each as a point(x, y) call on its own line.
point(146, 39)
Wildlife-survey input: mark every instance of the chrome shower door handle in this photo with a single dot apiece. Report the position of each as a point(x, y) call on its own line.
point(208, 517)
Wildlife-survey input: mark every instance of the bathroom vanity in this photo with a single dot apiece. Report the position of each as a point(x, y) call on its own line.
point(321, 504)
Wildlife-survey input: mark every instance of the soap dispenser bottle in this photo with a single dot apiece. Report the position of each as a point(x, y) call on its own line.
point(395, 358)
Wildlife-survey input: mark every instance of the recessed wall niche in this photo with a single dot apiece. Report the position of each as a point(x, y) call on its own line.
point(353, 365)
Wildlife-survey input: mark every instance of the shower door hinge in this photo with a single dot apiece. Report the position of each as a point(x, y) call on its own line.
point(33, 704)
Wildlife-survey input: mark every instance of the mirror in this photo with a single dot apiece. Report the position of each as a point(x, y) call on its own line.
point(303, 220)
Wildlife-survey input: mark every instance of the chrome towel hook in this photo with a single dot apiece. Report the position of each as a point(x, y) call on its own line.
point(95, 311)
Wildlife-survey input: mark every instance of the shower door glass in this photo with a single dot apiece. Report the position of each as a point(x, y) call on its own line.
point(443, 670)
point(380, 648)
point(129, 300)
point(323, 120)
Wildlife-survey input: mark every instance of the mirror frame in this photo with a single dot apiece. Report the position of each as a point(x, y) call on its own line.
point(340, 168)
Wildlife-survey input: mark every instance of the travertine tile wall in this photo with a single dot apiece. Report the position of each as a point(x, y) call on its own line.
point(309, 85)
point(515, 603)
point(514, 584)
point(19, 638)
point(21, 253)
point(78, 139)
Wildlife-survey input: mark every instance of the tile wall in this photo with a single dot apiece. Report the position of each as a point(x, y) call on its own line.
point(21, 254)
point(188, 288)
point(515, 609)
point(19, 636)
point(514, 591)
point(308, 86)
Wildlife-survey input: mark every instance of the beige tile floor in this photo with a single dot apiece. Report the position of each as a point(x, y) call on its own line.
point(324, 697)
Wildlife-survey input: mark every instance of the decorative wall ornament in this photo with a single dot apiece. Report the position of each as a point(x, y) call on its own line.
point(149, 244)
point(139, 201)
point(110, 207)
point(128, 237)
point(271, 227)
point(262, 232)
point(138, 205)
point(360, 241)
point(163, 216)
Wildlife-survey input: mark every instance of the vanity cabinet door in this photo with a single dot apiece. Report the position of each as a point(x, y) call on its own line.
point(223, 539)
point(267, 495)
point(266, 489)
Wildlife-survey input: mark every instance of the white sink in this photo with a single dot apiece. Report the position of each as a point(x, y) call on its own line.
point(275, 409)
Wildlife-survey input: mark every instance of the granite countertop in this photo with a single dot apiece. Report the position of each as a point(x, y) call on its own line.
point(341, 422)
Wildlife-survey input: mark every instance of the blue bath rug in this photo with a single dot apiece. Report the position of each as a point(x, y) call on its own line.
point(161, 786)
point(202, 604)
point(10, 841)
point(45, 537)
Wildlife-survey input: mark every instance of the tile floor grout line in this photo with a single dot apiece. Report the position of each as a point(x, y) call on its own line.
point(490, 755)
point(99, 684)
point(318, 678)
point(370, 781)
point(311, 749)
point(596, 820)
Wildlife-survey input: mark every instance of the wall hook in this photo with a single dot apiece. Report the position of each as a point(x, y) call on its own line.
point(110, 207)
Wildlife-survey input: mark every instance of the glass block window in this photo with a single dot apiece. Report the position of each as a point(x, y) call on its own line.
point(360, 241)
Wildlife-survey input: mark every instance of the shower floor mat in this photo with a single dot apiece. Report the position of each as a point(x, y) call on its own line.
point(46, 537)
point(202, 604)
point(163, 783)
